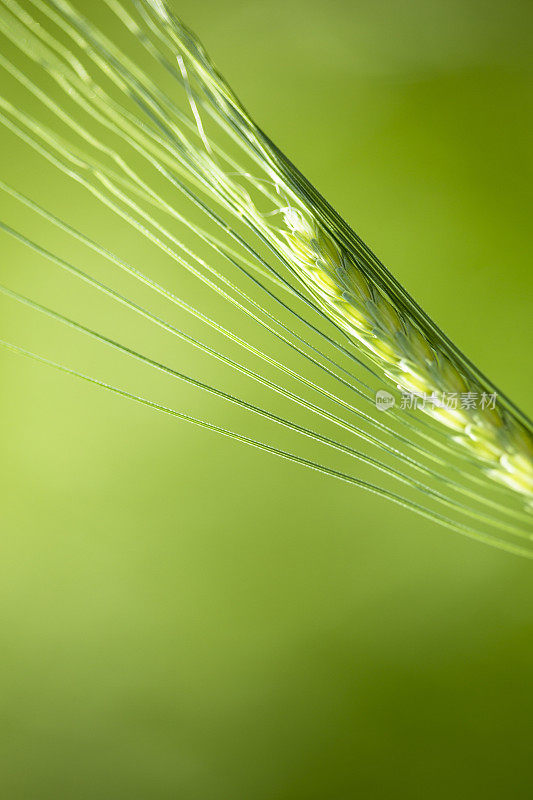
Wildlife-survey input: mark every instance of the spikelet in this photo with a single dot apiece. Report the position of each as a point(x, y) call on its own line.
point(406, 355)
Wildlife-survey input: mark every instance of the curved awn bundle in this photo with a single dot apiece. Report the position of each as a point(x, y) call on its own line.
point(272, 285)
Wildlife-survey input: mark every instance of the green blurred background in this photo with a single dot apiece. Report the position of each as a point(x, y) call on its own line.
point(182, 617)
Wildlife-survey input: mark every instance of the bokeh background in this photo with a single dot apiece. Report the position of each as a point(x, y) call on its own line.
point(182, 617)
